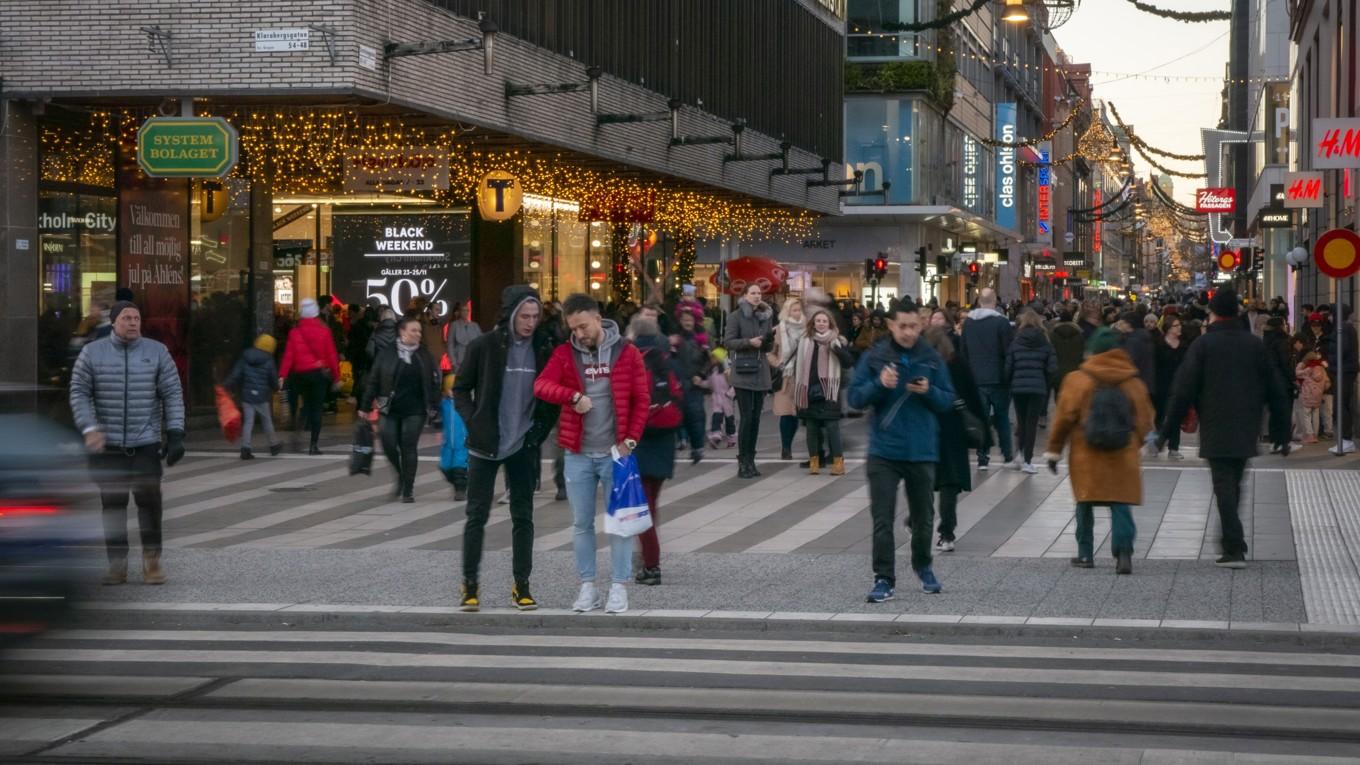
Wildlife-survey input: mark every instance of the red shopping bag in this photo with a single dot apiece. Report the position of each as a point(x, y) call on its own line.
point(1191, 422)
point(228, 415)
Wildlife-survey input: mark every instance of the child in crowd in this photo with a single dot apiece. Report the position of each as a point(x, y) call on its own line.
point(257, 377)
point(722, 401)
point(1311, 374)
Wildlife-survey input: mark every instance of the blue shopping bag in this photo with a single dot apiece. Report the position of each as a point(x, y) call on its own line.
point(627, 515)
point(454, 454)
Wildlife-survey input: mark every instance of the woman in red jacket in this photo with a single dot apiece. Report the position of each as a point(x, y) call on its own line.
point(601, 384)
point(311, 366)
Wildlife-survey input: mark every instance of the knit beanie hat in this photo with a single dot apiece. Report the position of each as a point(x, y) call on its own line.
point(120, 306)
point(1104, 339)
point(1224, 303)
point(310, 310)
point(266, 343)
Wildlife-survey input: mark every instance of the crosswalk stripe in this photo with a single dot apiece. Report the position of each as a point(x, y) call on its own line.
point(817, 524)
point(223, 478)
point(1043, 527)
point(737, 510)
point(674, 491)
point(660, 664)
point(255, 492)
point(761, 646)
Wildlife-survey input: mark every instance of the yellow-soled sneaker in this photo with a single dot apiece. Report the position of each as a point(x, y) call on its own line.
point(519, 595)
point(471, 602)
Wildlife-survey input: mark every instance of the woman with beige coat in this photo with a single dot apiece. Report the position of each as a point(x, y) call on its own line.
point(1111, 477)
point(786, 337)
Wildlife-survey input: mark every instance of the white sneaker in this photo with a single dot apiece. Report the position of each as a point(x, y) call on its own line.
point(1029, 468)
point(1344, 447)
point(1016, 464)
point(1174, 454)
point(618, 599)
point(588, 600)
point(945, 545)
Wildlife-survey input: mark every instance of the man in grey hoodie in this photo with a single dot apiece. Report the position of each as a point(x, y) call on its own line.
point(987, 335)
point(494, 396)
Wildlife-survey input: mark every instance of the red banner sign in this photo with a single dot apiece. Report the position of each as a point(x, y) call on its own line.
point(1218, 200)
point(1095, 234)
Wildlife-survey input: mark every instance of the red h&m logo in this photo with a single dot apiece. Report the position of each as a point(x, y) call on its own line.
point(1219, 200)
point(1306, 190)
point(1337, 142)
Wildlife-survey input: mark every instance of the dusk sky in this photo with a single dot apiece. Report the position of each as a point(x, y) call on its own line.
point(1115, 37)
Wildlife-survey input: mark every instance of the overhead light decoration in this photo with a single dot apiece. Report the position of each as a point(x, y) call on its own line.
point(1015, 12)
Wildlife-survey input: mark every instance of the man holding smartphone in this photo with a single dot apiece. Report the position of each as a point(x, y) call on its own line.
point(906, 384)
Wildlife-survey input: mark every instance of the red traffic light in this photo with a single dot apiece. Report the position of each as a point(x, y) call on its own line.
point(880, 264)
point(973, 269)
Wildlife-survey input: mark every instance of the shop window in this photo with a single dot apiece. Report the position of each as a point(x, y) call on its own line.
point(866, 38)
point(878, 142)
point(562, 255)
point(77, 255)
point(220, 324)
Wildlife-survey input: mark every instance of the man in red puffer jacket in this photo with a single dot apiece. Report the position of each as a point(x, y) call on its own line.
point(602, 385)
point(311, 366)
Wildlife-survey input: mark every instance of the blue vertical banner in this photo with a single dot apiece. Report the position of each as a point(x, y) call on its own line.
point(1007, 192)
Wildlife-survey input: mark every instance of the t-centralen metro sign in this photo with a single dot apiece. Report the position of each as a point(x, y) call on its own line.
point(186, 147)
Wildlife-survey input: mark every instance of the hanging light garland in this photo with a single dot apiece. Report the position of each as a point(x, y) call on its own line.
point(937, 23)
point(1032, 142)
point(1133, 138)
point(1188, 16)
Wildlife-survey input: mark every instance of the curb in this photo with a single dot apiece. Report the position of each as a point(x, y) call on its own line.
point(858, 624)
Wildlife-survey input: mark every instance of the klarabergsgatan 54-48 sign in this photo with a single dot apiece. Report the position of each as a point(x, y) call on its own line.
point(186, 147)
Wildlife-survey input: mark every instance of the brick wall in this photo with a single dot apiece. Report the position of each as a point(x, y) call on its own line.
point(82, 49)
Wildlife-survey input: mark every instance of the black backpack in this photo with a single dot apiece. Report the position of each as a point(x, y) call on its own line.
point(1109, 423)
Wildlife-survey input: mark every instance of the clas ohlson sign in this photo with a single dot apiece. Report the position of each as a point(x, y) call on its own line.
point(186, 147)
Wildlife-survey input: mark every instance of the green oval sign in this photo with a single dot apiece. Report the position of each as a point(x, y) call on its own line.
point(186, 147)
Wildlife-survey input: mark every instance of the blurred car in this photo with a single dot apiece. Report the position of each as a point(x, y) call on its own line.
point(49, 539)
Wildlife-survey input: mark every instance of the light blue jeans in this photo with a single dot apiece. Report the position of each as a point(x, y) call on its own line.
point(584, 472)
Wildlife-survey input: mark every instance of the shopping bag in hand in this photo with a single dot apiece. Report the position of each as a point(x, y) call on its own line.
point(453, 454)
point(361, 453)
point(228, 416)
point(627, 515)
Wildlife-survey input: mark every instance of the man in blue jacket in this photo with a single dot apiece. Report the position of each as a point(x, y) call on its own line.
point(906, 384)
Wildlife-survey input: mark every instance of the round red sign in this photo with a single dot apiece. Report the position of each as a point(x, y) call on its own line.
point(1337, 253)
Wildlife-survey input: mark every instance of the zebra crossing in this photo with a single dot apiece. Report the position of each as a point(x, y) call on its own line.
point(314, 504)
point(341, 694)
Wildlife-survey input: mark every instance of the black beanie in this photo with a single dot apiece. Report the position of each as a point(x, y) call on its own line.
point(1224, 303)
point(122, 294)
point(121, 306)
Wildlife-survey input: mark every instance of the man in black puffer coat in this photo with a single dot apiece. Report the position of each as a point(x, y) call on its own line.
point(1228, 379)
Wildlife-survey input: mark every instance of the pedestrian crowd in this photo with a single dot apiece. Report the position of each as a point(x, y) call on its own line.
point(1112, 384)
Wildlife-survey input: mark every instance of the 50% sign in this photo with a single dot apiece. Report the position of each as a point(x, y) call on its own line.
point(403, 291)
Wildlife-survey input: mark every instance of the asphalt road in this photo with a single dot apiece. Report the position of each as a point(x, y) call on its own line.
point(141, 689)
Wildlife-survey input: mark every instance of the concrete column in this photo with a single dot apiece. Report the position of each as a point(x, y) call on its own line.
point(20, 277)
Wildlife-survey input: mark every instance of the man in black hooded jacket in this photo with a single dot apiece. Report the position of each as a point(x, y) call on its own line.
point(494, 395)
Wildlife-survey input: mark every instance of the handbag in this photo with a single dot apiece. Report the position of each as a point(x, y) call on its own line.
point(974, 430)
point(361, 452)
point(628, 514)
point(747, 365)
point(228, 416)
point(776, 377)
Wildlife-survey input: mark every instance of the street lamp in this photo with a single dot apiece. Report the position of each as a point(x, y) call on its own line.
point(1015, 12)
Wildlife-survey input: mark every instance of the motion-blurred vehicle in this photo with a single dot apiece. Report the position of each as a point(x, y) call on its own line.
point(49, 539)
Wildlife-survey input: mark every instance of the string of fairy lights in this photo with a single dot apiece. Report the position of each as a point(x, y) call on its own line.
point(302, 152)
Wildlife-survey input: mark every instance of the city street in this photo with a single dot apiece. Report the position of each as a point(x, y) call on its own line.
point(309, 618)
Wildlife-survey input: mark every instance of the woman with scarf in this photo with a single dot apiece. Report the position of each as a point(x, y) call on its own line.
point(404, 389)
point(816, 370)
point(786, 338)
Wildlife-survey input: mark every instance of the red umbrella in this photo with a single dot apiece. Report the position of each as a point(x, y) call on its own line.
point(743, 272)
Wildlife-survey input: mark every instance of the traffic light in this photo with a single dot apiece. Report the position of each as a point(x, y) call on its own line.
point(1258, 261)
point(880, 267)
point(974, 271)
point(869, 269)
point(1243, 260)
point(921, 261)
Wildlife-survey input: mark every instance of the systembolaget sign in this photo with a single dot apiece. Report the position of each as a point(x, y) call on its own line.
point(1336, 143)
point(1217, 200)
point(1303, 190)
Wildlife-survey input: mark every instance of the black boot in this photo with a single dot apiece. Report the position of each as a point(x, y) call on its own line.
point(459, 479)
point(743, 471)
point(275, 449)
point(245, 453)
point(314, 449)
point(1123, 563)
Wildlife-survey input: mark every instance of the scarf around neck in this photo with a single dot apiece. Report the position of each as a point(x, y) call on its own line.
point(404, 351)
point(815, 348)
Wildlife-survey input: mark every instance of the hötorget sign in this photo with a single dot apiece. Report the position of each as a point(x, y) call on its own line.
point(1337, 253)
point(1217, 200)
point(186, 147)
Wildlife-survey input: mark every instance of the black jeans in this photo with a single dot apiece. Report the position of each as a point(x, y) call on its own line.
point(312, 387)
point(1347, 426)
point(919, 478)
point(949, 512)
point(400, 437)
point(119, 472)
point(749, 405)
point(1029, 407)
point(694, 417)
point(1174, 442)
point(521, 468)
point(829, 428)
point(1226, 474)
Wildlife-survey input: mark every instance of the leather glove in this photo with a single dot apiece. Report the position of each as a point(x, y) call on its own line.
point(173, 451)
point(1052, 460)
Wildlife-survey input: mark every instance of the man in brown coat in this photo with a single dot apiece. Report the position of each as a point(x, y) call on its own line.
point(1110, 477)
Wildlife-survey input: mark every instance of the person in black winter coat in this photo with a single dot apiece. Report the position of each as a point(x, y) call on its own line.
point(1171, 350)
point(953, 472)
point(258, 377)
point(1069, 343)
point(404, 388)
point(1031, 368)
point(1137, 342)
point(1228, 378)
point(987, 334)
point(1343, 384)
